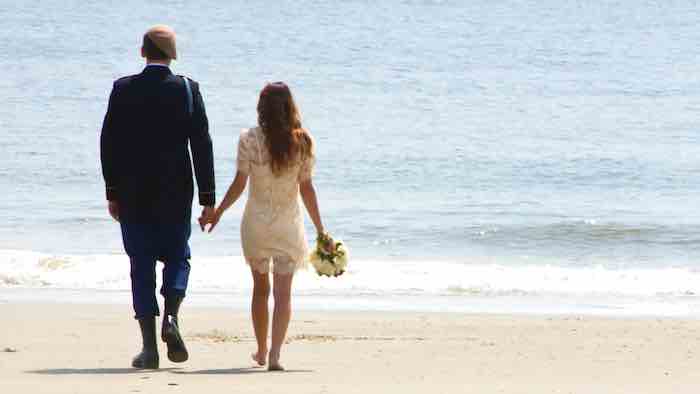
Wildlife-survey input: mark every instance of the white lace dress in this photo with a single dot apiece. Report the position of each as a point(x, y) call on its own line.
point(272, 229)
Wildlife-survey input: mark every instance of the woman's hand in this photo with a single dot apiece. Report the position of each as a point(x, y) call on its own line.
point(331, 245)
point(205, 217)
point(327, 242)
point(214, 219)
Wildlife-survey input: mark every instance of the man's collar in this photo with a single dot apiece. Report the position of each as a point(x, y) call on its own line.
point(157, 69)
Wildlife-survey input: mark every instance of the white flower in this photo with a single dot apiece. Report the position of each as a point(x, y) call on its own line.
point(330, 264)
point(327, 268)
point(341, 263)
point(314, 258)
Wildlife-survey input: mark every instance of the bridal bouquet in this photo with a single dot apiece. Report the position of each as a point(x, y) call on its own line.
point(330, 258)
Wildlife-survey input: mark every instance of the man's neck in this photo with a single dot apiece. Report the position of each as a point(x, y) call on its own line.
point(157, 63)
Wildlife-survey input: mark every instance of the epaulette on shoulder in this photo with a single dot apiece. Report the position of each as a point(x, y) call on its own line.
point(124, 80)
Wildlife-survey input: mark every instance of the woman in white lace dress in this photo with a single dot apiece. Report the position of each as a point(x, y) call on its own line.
point(278, 158)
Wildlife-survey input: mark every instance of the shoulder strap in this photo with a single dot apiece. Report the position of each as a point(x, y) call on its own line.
point(190, 103)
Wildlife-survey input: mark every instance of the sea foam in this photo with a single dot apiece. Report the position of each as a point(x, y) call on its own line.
point(365, 277)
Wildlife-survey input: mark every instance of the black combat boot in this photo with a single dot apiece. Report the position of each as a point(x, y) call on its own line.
point(148, 358)
point(170, 332)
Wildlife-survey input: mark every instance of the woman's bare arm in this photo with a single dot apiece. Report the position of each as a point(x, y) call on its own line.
point(234, 192)
point(308, 195)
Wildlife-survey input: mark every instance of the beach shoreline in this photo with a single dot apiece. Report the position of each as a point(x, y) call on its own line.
point(538, 287)
point(537, 305)
point(79, 348)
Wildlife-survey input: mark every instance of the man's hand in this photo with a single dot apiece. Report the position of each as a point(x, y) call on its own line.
point(215, 219)
point(206, 217)
point(113, 208)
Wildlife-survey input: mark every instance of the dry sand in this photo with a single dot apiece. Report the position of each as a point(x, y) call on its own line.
point(47, 348)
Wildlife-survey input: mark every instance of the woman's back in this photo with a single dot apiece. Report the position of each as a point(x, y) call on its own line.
point(272, 224)
point(272, 192)
point(275, 160)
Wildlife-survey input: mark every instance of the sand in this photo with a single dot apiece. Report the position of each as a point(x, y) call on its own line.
point(52, 348)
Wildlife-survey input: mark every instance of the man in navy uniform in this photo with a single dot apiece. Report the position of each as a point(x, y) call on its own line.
point(151, 119)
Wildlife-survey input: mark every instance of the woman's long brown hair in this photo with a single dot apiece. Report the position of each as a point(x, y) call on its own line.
point(280, 121)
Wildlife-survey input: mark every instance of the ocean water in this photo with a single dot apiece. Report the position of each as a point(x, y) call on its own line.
point(473, 155)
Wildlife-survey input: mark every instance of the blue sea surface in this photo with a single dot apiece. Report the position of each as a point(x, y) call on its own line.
point(515, 133)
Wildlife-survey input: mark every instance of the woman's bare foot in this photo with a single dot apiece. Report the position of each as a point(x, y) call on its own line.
point(275, 363)
point(259, 357)
point(275, 367)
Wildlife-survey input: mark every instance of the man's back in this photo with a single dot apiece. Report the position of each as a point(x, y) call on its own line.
point(145, 153)
point(151, 119)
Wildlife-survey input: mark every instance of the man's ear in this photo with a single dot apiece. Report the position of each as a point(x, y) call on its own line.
point(143, 52)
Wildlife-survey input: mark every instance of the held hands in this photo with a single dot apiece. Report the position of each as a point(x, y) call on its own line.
point(206, 217)
point(211, 217)
point(215, 219)
point(234, 191)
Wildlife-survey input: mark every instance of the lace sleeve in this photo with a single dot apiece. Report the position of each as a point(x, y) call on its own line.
point(306, 171)
point(244, 155)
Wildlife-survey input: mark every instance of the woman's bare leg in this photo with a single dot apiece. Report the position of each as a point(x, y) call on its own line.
point(261, 293)
point(280, 319)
